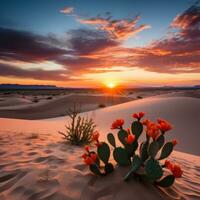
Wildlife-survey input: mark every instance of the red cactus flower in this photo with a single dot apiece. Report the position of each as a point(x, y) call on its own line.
point(168, 165)
point(135, 115)
point(164, 125)
point(88, 161)
point(177, 171)
point(141, 114)
point(87, 148)
point(93, 156)
point(145, 122)
point(117, 124)
point(138, 116)
point(84, 156)
point(152, 130)
point(95, 136)
point(174, 142)
point(130, 139)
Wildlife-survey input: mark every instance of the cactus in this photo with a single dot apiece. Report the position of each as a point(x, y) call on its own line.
point(135, 165)
point(153, 149)
point(95, 169)
point(131, 148)
point(108, 168)
point(153, 169)
point(166, 150)
point(166, 181)
point(144, 166)
point(111, 139)
point(143, 151)
point(121, 156)
point(122, 134)
point(103, 151)
point(137, 128)
point(161, 141)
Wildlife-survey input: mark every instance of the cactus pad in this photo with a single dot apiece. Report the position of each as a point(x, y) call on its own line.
point(153, 149)
point(122, 134)
point(166, 182)
point(121, 156)
point(166, 150)
point(137, 128)
point(153, 169)
point(111, 139)
point(95, 169)
point(103, 152)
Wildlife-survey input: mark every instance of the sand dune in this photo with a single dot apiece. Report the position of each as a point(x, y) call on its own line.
point(58, 106)
point(182, 112)
point(44, 168)
point(35, 164)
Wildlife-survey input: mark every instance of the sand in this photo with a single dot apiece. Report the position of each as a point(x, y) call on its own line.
point(20, 108)
point(35, 163)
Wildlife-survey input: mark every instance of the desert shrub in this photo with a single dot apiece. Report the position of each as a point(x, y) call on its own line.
point(33, 136)
point(101, 105)
point(35, 100)
point(79, 130)
point(49, 98)
point(145, 159)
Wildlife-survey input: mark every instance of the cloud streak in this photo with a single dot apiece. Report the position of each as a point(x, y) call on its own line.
point(117, 29)
point(67, 10)
point(86, 50)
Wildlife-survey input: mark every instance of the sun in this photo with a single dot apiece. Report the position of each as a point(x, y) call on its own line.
point(111, 85)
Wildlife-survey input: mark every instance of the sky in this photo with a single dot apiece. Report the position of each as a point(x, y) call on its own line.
point(87, 43)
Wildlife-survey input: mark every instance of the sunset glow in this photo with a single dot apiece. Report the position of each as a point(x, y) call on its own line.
point(65, 47)
point(111, 85)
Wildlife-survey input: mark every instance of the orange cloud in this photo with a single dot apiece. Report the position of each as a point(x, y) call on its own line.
point(67, 10)
point(117, 29)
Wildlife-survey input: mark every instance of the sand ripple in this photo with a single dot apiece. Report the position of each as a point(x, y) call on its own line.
point(44, 168)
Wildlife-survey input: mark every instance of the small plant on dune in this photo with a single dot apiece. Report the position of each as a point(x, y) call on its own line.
point(79, 130)
point(145, 159)
point(98, 162)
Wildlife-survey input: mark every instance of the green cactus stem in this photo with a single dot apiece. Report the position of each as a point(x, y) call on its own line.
point(166, 150)
point(103, 152)
point(135, 165)
point(166, 181)
point(131, 148)
point(153, 169)
point(153, 149)
point(137, 128)
point(122, 134)
point(143, 151)
point(161, 141)
point(109, 168)
point(95, 169)
point(111, 139)
point(121, 156)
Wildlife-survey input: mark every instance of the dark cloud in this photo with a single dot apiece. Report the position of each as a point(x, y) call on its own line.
point(85, 50)
point(86, 41)
point(178, 53)
point(25, 46)
point(13, 71)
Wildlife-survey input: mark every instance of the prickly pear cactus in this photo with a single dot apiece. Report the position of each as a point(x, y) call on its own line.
point(122, 135)
point(153, 149)
point(137, 128)
point(121, 156)
point(144, 160)
point(103, 152)
point(166, 181)
point(166, 150)
point(153, 169)
point(111, 139)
